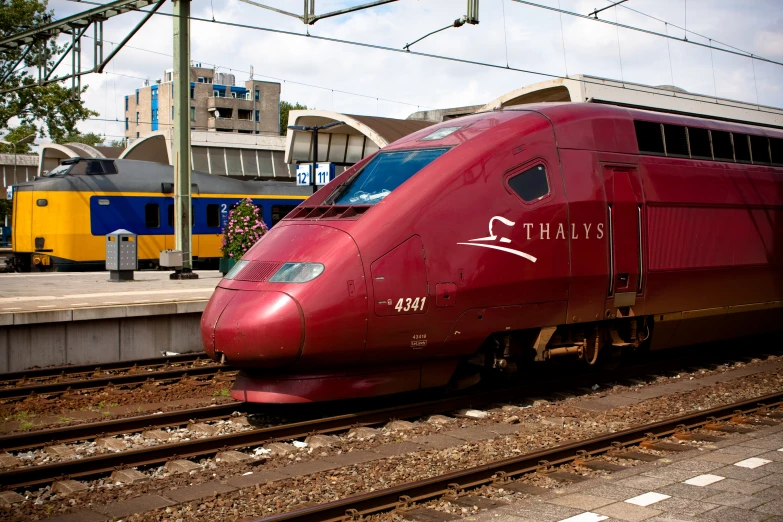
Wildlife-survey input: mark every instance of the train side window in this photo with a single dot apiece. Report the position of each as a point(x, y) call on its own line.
point(531, 184)
point(776, 146)
point(741, 148)
point(213, 216)
point(676, 141)
point(699, 140)
point(649, 137)
point(171, 215)
point(280, 211)
point(759, 147)
point(721, 146)
point(152, 215)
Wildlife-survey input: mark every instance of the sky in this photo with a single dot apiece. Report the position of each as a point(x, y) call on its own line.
point(356, 80)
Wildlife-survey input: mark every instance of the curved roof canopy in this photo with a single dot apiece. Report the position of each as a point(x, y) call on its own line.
point(52, 153)
point(349, 143)
point(152, 147)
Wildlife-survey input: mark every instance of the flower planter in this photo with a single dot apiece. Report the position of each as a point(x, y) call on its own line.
point(226, 264)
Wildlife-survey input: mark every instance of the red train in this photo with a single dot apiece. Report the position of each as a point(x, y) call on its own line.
point(495, 240)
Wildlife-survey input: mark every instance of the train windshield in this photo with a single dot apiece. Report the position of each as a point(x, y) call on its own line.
point(384, 173)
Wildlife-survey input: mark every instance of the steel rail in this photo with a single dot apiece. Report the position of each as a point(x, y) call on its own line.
point(81, 432)
point(356, 506)
point(21, 392)
point(53, 371)
point(101, 464)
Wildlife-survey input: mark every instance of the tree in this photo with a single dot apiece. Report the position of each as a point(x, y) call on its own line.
point(51, 107)
point(90, 138)
point(15, 134)
point(117, 143)
point(284, 108)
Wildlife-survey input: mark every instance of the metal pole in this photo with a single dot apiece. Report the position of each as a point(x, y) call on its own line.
point(181, 82)
point(315, 158)
point(14, 146)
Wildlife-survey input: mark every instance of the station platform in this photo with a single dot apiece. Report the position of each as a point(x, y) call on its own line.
point(82, 318)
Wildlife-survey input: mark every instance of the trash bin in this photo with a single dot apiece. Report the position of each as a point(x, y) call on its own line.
point(121, 255)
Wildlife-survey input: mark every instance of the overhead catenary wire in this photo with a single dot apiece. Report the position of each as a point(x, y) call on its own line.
point(464, 60)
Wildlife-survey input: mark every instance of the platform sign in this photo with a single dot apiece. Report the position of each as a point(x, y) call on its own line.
point(303, 174)
point(324, 173)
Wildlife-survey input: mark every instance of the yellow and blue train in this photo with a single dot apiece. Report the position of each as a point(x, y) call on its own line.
point(60, 221)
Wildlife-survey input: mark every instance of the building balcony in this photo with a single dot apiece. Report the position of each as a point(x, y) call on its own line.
point(228, 103)
point(225, 124)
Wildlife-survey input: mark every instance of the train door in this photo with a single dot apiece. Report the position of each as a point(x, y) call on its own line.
point(625, 224)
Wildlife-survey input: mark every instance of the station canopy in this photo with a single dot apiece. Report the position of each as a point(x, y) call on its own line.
point(346, 144)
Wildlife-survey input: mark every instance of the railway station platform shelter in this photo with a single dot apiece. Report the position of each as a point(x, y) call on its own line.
point(347, 144)
point(661, 98)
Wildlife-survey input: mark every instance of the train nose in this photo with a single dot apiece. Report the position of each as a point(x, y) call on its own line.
point(259, 329)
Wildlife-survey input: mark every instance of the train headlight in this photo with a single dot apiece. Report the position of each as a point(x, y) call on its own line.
point(235, 270)
point(297, 273)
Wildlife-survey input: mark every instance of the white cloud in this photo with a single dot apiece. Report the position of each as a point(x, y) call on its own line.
point(532, 36)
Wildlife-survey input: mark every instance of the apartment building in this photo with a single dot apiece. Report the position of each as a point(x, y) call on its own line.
point(216, 104)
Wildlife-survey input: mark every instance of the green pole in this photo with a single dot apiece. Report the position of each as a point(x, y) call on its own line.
point(181, 146)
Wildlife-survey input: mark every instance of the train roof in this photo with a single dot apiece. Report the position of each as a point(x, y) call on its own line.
point(147, 176)
point(575, 126)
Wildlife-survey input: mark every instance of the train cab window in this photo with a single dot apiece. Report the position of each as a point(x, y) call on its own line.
point(213, 216)
point(101, 167)
point(280, 211)
point(676, 141)
point(649, 137)
point(699, 140)
point(776, 147)
point(531, 184)
point(721, 146)
point(741, 148)
point(152, 215)
point(759, 148)
point(384, 173)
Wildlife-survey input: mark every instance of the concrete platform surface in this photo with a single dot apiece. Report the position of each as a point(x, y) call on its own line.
point(739, 479)
point(68, 290)
point(53, 319)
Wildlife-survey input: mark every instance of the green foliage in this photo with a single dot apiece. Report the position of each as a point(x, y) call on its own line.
point(284, 108)
point(90, 138)
point(14, 135)
point(5, 209)
point(117, 143)
point(245, 227)
point(53, 108)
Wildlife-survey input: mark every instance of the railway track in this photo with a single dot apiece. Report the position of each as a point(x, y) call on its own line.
point(404, 496)
point(98, 465)
point(48, 381)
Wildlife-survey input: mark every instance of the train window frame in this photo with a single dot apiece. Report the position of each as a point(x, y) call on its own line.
point(522, 169)
point(694, 132)
point(639, 125)
point(210, 209)
point(743, 140)
point(674, 137)
point(150, 220)
point(762, 145)
point(722, 149)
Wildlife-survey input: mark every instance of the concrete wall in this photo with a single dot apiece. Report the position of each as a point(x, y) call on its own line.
point(99, 335)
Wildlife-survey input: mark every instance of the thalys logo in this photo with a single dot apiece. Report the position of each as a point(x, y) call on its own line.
point(543, 230)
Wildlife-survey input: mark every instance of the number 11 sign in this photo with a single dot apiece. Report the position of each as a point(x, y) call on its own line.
point(324, 173)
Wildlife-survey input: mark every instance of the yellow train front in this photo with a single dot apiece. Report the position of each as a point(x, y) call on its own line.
point(60, 221)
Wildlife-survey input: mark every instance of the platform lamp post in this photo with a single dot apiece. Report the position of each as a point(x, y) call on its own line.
point(15, 144)
point(314, 129)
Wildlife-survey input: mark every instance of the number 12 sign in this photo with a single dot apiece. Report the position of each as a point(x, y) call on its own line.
point(324, 173)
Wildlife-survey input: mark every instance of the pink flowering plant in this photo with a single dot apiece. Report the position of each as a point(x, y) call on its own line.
point(245, 227)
